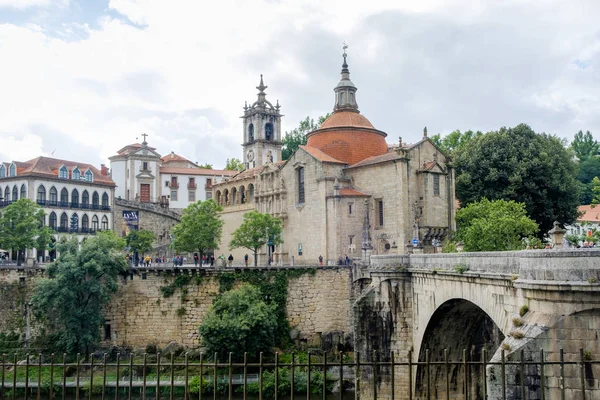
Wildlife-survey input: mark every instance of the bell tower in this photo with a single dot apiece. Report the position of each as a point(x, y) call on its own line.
point(262, 131)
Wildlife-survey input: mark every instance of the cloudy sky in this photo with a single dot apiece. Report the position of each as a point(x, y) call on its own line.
point(79, 79)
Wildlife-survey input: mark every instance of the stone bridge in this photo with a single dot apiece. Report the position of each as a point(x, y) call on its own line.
point(516, 301)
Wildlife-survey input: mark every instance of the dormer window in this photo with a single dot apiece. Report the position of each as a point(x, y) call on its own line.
point(76, 175)
point(89, 176)
point(63, 172)
point(12, 170)
point(2, 171)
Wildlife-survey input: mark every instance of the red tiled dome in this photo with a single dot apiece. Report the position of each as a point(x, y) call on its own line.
point(347, 118)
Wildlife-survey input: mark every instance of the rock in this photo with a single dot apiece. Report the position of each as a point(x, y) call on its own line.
point(294, 334)
point(172, 347)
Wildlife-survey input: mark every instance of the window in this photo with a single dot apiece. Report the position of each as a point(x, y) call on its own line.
point(85, 223)
point(15, 193)
point(105, 223)
point(64, 222)
point(53, 196)
point(89, 176)
point(301, 185)
point(174, 182)
point(166, 183)
point(53, 220)
point(76, 174)
point(350, 208)
point(75, 198)
point(64, 198)
point(251, 133)
point(41, 193)
point(23, 191)
point(269, 131)
point(208, 195)
point(145, 166)
point(7, 194)
point(74, 222)
point(95, 201)
point(12, 170)
point(192, 182)
point(173, 195)
point(63, 172)
point(192, 195)
point(2, 171)
point(436, 185)
point(85, 199)
point(379, 212)
point(95, 224)
point(105, 200)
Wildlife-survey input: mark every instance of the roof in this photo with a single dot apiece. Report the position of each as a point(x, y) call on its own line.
point(589, 213)
point(48, 167)
point(347, 118)
point(171, 157)
point(196, 171)
point(130, 148)
point(391, 156)
point(348, 192)
point(319, 155)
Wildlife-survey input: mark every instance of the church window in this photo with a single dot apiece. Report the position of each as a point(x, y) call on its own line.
point(105, 201)
point(95, 201)
point(23, 191)
point(251, 133)
point(269, 131)
point(379, 213)
point(95, 225)
point(173, 195)
point(2, 171)
point(63, 172)
point(53, 220)
point(74, 198)
point(85, 199)
point(15, 193)
point(12, 170)
point(105, 223)
point(192, 195)
point(76, 174)
point(436, 185)
point(64, 198)
point(301, 185)
point(89, 176)
point(41, 194)
point(64, 222)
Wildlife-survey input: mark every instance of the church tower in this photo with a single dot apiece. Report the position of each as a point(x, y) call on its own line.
point(262, 131)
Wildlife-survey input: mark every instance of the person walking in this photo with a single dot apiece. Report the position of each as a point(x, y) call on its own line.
point(320, 260)
point(230, 259)
point(246, 259)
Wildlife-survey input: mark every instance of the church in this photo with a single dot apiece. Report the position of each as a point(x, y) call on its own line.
point(345, 193)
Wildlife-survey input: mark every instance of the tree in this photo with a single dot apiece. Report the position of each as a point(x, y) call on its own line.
point(297, 137)
point(140, 242)
point(588, 170)
point(239, 321)
point(72, 300)
point(234, 164)
point(22, 227)
point(200, 228)
point(205, 166)
point(497, 225)
point(585, 146)
point(596, 191)
point(257, 230)
point(521, 165)
point(454, 140)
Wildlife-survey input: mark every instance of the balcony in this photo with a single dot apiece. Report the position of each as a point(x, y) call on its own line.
point(174, 185)
point(192, 186)
point(64, 204)
point(66, 229)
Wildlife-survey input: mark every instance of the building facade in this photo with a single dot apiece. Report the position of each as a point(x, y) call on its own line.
point(346, 193)
point(76, 197)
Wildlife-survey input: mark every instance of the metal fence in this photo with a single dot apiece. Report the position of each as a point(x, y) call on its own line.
point(376, 377)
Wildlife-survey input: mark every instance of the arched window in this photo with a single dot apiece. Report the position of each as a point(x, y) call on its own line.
point(63, 172)
point(53, 196)
point(76, 174)
point(12, 170)
point(75, 198)
point(233, 196)
point(300, 179)
point(85, 199)
point(218, 197)
point(64, 222)
point(7, 194)
point(105, 223)
point(2, 171)
point(64, 198)
point(251, 132)
point(89, 176)
point(226, 197)
point(269, 131)
point(250, 193)
point(23, 191)
point(41, 194)
point(15, 193)
point(105, 200)
point(53, 220)
point(95, 201)
point(95, 225)
point(74, 224)
point(243, 195)
point(85, 223)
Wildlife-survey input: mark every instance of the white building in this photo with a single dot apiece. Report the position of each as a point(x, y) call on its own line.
point(76, 197)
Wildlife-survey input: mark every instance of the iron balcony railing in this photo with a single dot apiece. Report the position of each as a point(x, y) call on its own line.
point(66, 204)
point(154, 376)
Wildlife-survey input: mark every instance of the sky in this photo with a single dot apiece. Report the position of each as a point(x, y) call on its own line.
point(79, 79)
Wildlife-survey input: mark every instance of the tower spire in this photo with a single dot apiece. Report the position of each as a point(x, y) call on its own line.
point(345, 91)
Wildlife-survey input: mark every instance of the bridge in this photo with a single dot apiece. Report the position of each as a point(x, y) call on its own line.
point(516, 303)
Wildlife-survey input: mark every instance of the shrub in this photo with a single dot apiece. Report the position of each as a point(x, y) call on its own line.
point(517, 334)
point(523, 310)
point(518, 322)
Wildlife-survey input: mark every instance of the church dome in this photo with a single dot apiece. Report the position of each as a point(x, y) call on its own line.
point(347, 135)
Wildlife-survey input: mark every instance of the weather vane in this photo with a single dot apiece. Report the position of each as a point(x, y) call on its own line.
point(344, 46)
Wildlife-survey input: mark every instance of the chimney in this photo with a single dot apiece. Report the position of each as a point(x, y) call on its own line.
point(172, 154)
point(103, 170)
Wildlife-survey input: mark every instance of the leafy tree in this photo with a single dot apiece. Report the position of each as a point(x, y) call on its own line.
point(72, 300)
point(21, 227)
point(140, 242)
point(521, 165)
point(234, 164)
point(596, 191)
point(588, 170)
point(494, 225)
point(297, 137)
point(454, 140)
point(205, 166)
point(252, 233)
point(585, 146)
point(239, 321)
point(200, 228)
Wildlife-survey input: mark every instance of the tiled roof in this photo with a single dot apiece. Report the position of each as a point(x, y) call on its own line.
point(377, 159)
point(130, 148)
point(48, 167)
point(173, 157)
point(196, 171)
point(348, 192)
point(319, 155)
point(589, 214)
point(346, 118)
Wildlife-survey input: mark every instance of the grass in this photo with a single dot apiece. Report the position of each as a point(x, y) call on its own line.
point(518, 322)
point(516, 334)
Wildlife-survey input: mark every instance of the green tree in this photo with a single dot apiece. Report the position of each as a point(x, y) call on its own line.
point(454, 140)
point(255, 231)
point(140, 242)
point(585, 146)
point(21, 227)
point(588, 170)
point(72, 300)
point(596, 191)
point(521, 165)
point(497, 225)
point(200, 228)
point(205, 166)
point(239, 321)
point(297, 137)
point(234, 164)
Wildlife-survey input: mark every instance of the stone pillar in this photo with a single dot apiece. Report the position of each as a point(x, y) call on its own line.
point(557, 234)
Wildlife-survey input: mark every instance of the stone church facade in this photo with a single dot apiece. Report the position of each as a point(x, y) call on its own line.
point(345, 193)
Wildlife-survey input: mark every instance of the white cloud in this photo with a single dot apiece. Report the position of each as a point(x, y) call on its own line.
point(23, 4)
